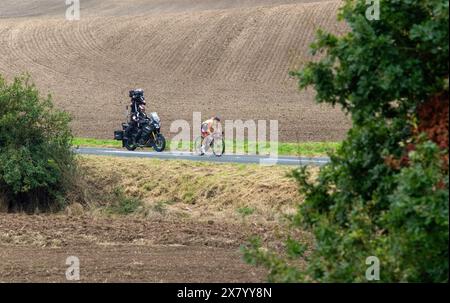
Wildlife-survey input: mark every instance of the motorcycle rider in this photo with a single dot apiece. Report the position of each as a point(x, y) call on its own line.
point(137, 111)
point(208, 128)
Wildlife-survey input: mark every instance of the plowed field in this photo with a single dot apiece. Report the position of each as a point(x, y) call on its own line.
point(229, 58)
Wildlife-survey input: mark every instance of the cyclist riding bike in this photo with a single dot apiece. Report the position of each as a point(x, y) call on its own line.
point(209, 127)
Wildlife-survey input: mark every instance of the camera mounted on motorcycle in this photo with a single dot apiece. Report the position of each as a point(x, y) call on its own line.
point(137, 93)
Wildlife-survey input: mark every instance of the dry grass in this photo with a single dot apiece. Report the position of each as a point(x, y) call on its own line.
point(194, 190)
point(155, 205)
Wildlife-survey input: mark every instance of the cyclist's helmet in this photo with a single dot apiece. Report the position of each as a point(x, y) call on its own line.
point(217, 118)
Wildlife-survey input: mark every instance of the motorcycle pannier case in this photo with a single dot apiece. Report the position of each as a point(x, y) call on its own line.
point(118, 135)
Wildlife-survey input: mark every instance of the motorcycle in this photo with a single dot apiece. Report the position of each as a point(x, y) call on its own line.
point(147, 135)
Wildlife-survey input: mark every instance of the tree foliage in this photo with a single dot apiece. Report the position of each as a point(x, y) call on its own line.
point(385, 192)
point(35, 140)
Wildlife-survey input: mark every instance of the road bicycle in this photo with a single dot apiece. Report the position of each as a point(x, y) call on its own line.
point(217, 144)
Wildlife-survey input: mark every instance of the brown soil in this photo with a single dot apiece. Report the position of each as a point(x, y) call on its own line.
point(120, 249)
point(230, 58)
point(188, 228)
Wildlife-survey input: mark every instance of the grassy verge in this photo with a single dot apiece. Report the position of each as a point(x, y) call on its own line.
point(90, 142)
point(190, 190)
point(257, 200)
point(284, 148)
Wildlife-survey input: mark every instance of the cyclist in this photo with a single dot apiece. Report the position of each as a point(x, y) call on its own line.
point(208, 128)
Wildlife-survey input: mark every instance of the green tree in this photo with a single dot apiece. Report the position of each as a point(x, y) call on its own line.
point(36, 161)
point(385, 192)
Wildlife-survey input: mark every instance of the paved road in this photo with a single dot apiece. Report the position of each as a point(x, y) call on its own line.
point(245, 159)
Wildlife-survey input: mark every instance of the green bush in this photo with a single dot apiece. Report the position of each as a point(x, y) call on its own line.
point(36, 162)
point(417, 220)
point(360, 205)
point(123, 204)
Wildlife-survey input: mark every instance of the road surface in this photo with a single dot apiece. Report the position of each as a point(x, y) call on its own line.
point(243, 159)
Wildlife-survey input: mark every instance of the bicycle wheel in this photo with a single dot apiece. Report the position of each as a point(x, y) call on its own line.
point(218, 147)
point(198, 145)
